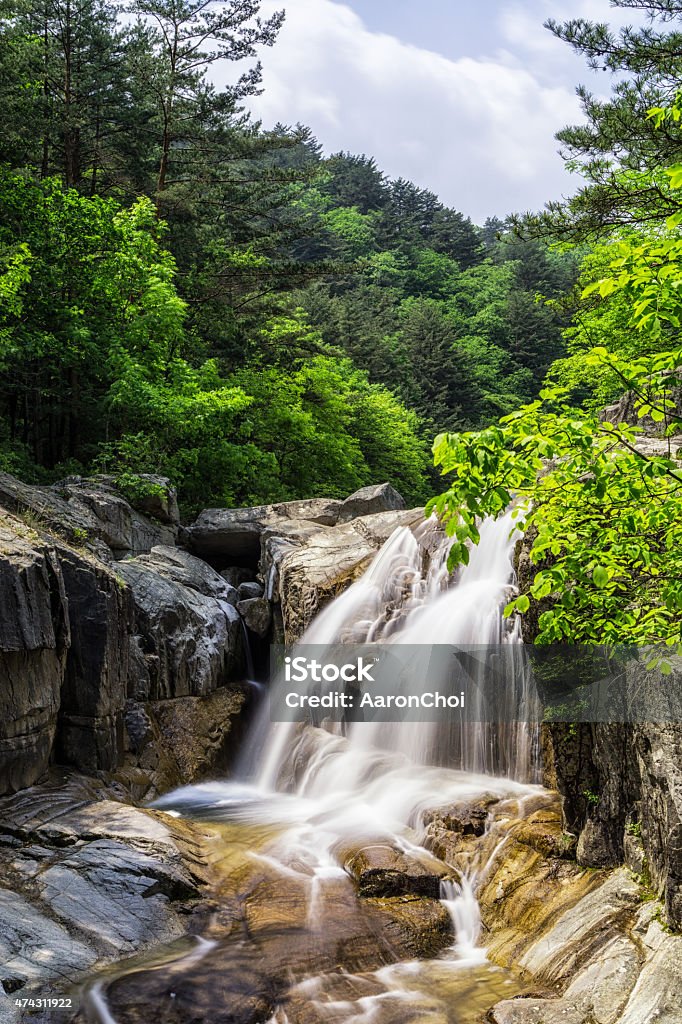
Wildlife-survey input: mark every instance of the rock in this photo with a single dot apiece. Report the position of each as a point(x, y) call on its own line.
point(34, 948)
point(381, 870)
point(124, 529)
point(90, 512)
point(41, 508)
point(236, 575)
point(317, 566)
point(257, 615)
point(93, 695)
point(34, 641)
point(198, 732)
point(80, 888)
point(416, 926)
point(247, 591)
point(191, 637)
point(236, 533)
point(370, 500)
point(624, 411)
point(467, 819)
point(657, 996)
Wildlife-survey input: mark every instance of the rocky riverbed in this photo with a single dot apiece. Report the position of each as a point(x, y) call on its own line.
point(129, 644)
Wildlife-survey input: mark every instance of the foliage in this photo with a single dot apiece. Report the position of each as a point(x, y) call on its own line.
point(602, 515)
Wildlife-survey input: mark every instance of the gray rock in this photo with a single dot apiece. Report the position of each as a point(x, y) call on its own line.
point(93, 693)
point(257, 614)
point(370, 500)
point(246, 591)
point(42, 508)
point(192, 642)
point(117, 895)
point(236, 533)
point(35, 948)
point(125, 530)
point(34, 641)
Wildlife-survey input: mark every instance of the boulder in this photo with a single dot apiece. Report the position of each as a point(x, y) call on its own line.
point(257, 614)
point(379, 869)
point(179, 742)
point(34, 641)
point(247, 591)
point(316, 565)
point(42, 508)
point(235, 534)
point(124, 529)
point(370, 500)
point(189, 634)
point(90, 512)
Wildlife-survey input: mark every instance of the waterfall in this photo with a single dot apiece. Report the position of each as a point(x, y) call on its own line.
point(324, 786)
point(407, 596)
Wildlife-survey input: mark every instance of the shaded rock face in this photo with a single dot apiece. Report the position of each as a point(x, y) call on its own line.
point(181, 741)
point(63, 653)
point(188, 632)
point(34, 641)
point(95, 681)
point(622, 789)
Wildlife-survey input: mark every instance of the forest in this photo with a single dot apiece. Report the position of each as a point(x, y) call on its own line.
point(187, 293)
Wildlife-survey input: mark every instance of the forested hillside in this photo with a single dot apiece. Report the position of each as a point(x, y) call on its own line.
point(187, 293)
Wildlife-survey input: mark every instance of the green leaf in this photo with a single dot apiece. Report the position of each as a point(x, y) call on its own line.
point(600, 576)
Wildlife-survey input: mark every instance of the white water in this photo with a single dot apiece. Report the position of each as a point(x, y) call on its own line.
point(322, 786)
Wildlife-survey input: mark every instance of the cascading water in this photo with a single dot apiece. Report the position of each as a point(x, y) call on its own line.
point(325, 787)
point(407, 597)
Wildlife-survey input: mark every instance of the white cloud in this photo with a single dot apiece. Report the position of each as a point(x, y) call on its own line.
point(477, 131)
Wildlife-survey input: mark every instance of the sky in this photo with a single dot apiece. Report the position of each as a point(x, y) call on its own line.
point(460, 96)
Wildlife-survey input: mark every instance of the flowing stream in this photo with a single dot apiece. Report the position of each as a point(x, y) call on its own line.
point(317, 791)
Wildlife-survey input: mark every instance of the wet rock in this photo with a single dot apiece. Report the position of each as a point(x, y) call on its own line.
point(191, 642)
point(467, 819)
point(236, 533)
point(416, 926)
point(381, 870)
point(257, 614)
point(34, 640)
point(370, 500)
point(248, 591)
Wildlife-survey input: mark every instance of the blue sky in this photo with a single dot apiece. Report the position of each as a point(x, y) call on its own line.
point(461, 96)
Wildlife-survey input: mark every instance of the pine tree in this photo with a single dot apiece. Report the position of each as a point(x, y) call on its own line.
point(619, 150)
